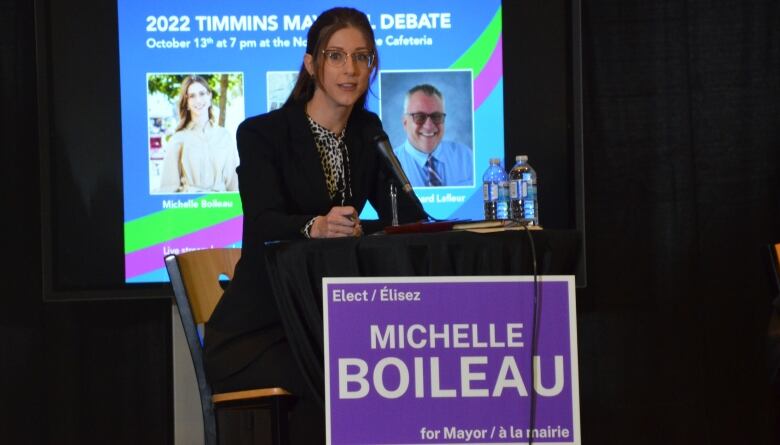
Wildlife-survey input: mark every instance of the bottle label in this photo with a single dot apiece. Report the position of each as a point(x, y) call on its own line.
point(530, 191)
point(503, 191)
point(515, 189)
point(528, 186)
point(490, 191)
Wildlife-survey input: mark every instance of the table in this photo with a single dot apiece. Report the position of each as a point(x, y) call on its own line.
point(296, 269)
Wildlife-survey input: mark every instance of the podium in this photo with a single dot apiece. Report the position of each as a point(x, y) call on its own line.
point(296, 270)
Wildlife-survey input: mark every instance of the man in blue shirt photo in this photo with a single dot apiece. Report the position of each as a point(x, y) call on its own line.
point(427, 160)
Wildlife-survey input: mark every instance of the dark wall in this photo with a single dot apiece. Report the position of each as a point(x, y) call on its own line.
point(682, 155)
point(70, 373)
point(682, 134)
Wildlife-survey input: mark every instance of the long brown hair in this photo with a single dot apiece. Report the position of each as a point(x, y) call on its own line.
point(184, 112)
point(318, 36)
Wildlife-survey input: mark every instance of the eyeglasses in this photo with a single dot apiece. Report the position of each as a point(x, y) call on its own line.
point(337, 58)
point(420, 118)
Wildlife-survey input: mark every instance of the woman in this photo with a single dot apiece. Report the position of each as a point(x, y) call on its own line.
point(201, 156)
point(306, 171)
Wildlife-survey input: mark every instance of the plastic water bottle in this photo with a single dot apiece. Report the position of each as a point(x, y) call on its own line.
point(502, 210)
point(523, 198)
point(495, 191)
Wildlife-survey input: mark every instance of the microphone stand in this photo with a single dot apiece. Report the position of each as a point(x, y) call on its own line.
point(382, 144)
point(413, 197)
point(394, 204)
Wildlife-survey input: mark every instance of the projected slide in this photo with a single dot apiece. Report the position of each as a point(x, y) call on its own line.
point(190, 72)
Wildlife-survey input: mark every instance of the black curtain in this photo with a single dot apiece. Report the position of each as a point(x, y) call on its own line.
point(70, 373)
point(682, 134)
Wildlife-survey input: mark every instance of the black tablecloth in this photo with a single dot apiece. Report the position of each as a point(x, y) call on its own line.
point(296, 270)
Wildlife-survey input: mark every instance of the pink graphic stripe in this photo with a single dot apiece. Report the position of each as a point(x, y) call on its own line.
point(151, 258)
point(490, 75)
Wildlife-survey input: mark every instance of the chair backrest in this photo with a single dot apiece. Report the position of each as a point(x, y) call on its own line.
point(777, 257)
point(201, 271)
point(774, 253)
point(195, 278)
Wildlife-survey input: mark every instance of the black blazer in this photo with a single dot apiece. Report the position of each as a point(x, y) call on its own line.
point(282, 187)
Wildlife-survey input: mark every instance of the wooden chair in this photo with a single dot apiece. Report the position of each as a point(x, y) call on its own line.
point(774, 321)
point(773, 335)
point(195, 277)
point(775, 254)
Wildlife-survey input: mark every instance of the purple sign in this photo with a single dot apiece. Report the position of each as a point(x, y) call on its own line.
point(425, 360)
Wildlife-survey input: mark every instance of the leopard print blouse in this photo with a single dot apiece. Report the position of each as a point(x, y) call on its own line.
point(335, 164)
point(334, 159)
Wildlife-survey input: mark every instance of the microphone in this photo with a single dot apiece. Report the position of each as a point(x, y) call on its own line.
point(382, 143)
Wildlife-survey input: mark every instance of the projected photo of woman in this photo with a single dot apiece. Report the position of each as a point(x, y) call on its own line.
point(201, 155)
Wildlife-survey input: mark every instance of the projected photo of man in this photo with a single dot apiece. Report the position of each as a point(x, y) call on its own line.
point(200, 155)
point(428, 153)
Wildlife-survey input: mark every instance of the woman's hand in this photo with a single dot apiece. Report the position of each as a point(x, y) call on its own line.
point(339, 222)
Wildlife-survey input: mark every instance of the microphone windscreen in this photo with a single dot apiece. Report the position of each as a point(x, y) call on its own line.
point(374, 133)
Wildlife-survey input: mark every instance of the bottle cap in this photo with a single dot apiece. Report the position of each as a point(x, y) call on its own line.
point(495, 161)
point(519, 158)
